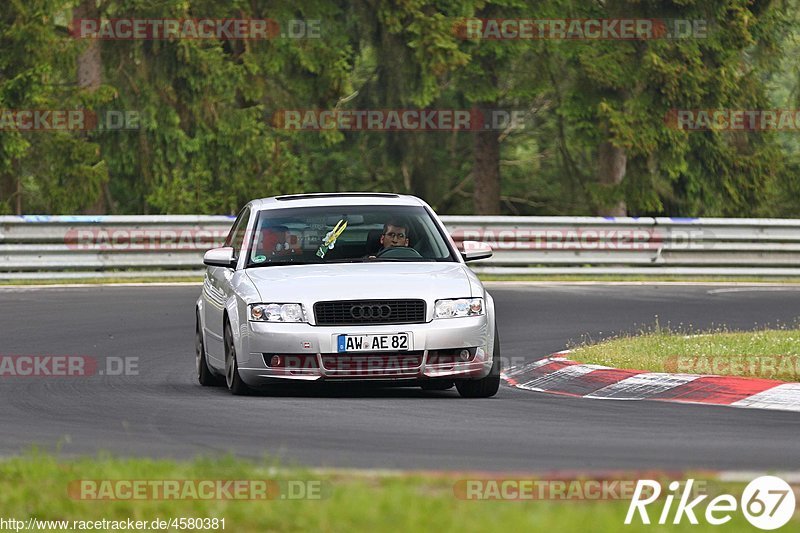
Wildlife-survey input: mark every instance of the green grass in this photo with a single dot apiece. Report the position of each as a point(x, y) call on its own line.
point(765, 353)
point(35, 485)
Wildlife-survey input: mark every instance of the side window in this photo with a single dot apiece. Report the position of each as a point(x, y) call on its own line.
point(236, 236)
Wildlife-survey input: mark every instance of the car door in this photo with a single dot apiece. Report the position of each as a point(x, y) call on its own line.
point(216, 290)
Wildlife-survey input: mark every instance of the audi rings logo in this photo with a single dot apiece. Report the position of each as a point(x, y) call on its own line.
point(370, 311)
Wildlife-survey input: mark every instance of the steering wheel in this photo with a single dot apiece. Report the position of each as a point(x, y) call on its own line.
point(398, 252)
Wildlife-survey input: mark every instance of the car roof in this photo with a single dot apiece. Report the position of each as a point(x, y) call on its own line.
point(335, 199)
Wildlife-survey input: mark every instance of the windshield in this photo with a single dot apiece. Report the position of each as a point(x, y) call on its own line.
point(344, 234)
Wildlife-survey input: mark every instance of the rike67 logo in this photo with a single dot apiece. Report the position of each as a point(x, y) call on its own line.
point(767, 502)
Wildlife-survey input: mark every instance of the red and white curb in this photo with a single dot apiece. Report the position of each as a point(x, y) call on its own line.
point(558, 375)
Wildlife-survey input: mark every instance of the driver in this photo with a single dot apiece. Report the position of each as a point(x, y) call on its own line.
point(395, 233)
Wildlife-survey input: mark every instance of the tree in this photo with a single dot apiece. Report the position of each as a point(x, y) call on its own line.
point(41, 171)
point(622, 90)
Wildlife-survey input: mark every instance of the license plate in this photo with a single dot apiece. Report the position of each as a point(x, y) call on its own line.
point(391, 342)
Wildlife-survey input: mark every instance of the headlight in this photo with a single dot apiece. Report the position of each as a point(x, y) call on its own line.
point(277, 313)
point(457, 308)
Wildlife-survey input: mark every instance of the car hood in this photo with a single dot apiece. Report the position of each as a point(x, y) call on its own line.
point(307, 284)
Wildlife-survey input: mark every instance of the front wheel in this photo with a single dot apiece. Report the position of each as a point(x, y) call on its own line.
point(485, 387)
point(204, 374)
point(232, 377)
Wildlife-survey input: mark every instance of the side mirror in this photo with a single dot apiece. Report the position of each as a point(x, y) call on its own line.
point(474, 250)
point(220, 257)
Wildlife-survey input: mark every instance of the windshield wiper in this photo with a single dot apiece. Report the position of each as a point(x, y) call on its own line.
point(405, 259)
point(284, 263)
point(352, 260)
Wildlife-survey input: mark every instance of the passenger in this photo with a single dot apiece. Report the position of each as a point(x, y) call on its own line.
point(276, 241)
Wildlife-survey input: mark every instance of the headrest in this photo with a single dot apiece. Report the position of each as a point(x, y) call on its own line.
point(374, 241)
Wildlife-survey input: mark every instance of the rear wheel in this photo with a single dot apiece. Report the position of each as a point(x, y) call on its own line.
point(232, 378)
point(204, 374)
point(485, 387)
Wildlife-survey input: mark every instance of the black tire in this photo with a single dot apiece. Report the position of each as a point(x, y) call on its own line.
point(205, 376)
point(437, 384)
point(485, 387)
point(232, 378)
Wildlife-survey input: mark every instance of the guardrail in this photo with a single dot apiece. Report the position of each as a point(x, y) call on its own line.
point(37, 247)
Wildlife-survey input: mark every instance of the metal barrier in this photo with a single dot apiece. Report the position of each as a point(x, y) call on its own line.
point(37, 247)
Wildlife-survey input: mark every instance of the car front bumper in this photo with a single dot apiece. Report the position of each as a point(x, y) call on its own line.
point(316, 346)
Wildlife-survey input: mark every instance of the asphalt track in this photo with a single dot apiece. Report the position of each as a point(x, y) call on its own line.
point(163, 412)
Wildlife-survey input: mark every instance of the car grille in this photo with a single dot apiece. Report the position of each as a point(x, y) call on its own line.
point(345, 312)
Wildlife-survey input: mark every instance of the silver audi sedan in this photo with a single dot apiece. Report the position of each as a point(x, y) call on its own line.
point(346, 286)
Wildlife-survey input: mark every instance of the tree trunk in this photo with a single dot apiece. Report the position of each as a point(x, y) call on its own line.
point(90, 63)
point(7, 187)
point(90, 76)
point(486, 172)
point(18, 206)
point(611, 166)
